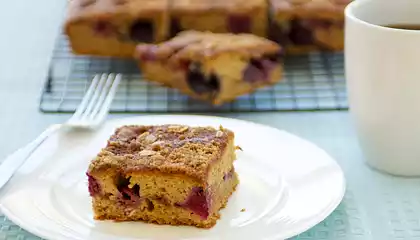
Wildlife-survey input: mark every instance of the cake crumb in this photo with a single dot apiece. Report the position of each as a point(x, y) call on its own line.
point(151, 138)
point(147, 153)
point(219, 133)
point(243, 210)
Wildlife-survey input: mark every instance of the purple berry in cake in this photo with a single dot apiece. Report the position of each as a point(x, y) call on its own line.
point(197, 202)
point(105, 29)
point(142, 31)
point(239, 24)
point(94, 187)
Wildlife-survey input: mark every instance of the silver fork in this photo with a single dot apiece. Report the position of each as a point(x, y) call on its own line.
point(91, 113)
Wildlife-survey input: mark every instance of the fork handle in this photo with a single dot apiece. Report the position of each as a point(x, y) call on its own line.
point(13, 162)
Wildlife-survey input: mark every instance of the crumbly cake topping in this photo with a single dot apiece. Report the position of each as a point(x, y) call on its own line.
point(309, 8)
point(167, 149)
point(196, 46)
point(237, 6)
point(86, 9)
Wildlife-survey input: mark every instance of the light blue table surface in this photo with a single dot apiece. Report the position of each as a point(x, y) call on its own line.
point(376, 206)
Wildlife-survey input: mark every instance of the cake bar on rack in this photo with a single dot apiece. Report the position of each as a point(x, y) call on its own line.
point(303, 26)
point(214, 67)
point(114, 27)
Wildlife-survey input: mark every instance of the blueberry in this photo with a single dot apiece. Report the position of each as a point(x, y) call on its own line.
point(104, 28)
point(259, 69)
point(150, 205)
point(299, 34)
point(122, 182)
point(197, 202)
point(93, 185)
point(142, 31)
point(254, 72)
point(128, 195)
point(239, 24)
point(136, 190)
point(277, 34)
point(256, 63)
point(200, 83)
point(175, 27)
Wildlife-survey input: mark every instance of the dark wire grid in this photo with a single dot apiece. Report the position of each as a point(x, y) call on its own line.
point(311, 82)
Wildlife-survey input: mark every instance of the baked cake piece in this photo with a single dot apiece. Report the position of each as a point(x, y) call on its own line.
point(302, 26)
point(114, 27)
point(220, 16)
point(168, 174)
point(213, 67)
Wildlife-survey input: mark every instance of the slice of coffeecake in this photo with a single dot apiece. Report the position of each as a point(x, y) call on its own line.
point(114, 27)
point(168, 174)
point(215, 67)
point(303, 26)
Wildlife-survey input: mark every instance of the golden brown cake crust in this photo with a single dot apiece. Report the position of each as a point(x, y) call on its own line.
point(232, 6)
point(86, 9)
point(173, 149)
point(286, 9)
point(196, 46)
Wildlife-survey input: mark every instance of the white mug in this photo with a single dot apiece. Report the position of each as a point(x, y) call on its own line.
point(382, 68)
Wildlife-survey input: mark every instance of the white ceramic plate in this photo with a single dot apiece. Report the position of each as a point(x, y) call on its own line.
point(287, 185)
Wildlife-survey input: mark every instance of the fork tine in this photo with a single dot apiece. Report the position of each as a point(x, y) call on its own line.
point(95, 97)
point(80, 109)
point(107, 103)
point(101, 99)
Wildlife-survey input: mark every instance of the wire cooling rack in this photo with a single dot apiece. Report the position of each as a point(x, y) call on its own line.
point(311, 82)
